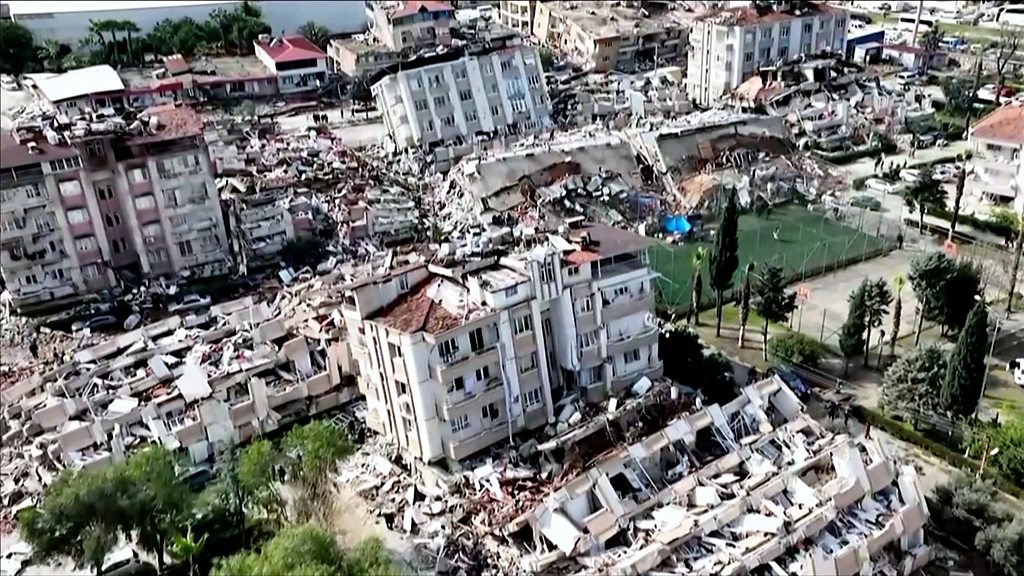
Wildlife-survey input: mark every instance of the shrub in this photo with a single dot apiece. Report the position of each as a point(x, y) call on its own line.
point(997, 226)
point(796, 348)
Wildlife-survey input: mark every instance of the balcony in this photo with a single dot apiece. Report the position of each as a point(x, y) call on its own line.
point(81, 229)
point(620, 268)
point(464, 362)
point(624, 307)
point(492, 391)
point(459, 449)
point(624, 343)
point(147, 215)
point(140, 188)
point(89, 256)
point(627, 378)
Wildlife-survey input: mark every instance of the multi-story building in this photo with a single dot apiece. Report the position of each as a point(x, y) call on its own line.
point(84, 208)
point(605, 36)
point(444, 102)
point(997, 141)
point(296, 62)
point(455, 357)
point(517, 15)
point(410, 24)
point(728, 46)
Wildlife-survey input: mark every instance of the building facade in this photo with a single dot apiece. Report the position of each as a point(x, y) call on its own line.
point(728, 46)
point(997, 143)
point(517, 15)
point(410, 24)
point(80, 218)
point(454, 358)
point(442, 102)
point(604, 36)
point(296, 62)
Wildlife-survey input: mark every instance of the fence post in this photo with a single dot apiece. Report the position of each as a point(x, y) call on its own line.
point(821, 337)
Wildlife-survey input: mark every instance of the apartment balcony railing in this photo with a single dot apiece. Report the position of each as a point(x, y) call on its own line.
point(624, 307)
point(464, 361)
point(622, 343)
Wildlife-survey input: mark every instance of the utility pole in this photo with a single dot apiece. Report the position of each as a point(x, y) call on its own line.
point(961, 178)
point(1016, 263)
point(917, 22)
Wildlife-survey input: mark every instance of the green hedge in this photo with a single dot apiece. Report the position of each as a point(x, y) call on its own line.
point(953, 457)
point(796, 348)
point(1000, 229)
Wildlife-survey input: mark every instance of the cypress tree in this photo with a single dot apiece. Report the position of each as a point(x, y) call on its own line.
point(851, 337)
point(966, 372)
point(725, 259)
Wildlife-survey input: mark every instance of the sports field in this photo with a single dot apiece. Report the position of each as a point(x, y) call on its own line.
point(808, 244)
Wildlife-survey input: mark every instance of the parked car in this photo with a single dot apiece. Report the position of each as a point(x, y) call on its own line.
point(9, 83)
point(790, 377)
point(103, 322)
point(189, 302)
point(866, 202)
point(880, 185)
point(910, 175)
point(126, 562)
point(946, 172)
point(909, 77)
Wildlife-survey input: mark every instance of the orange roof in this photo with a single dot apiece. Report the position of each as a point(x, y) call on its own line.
point(417, 312)
point(1005, 124)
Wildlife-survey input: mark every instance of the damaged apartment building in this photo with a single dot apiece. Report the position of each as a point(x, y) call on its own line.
point(655, 483)
point(95, 194)
point(192, 383)
point(483, 342)
point(453, 102)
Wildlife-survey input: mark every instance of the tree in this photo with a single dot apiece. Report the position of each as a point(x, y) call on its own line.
point(81, 516)
point(188, 548)
point(797, 348)
point(257, 467)
point(929, 276)
point(52, 54)
point(959, 294)
point(930, 41)
point(129, 28)
point(1008, 438)
point(369, 558)
point(301, 252)
point(877, 298)
point(302, 549)
point(745, 302)
point(1008, 44)
point(774, 303)
point(962, 386)
point(158, 502)
point(358, 91)
point(851, 336)
point(1004, 545)
point(700, 256)
point(1016, 224)
point(959, 96)
point(316, 34)
point(964, 506)
point(17, 50)
point(313, 453)
point(912, 382)
point(925, 194)
point(547, 58)
point(897, 311)
point(724, 258)
point(693, 362)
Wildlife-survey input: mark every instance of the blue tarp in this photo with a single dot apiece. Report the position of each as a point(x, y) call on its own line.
point(676, 224)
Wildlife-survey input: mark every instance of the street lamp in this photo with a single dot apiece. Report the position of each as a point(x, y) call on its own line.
point(991, 351)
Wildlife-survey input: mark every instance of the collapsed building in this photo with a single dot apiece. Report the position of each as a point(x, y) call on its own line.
point(754, 486)
point(189, 382)
point(617, 100)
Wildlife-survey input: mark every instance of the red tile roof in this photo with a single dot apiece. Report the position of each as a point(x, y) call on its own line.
point(14, 155)
point(290, 49)
point(175, 121)
point(1005, 124)
point(413, 6)
point(417, 312)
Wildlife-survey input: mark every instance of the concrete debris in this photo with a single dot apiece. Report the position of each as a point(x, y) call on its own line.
point(617, 100)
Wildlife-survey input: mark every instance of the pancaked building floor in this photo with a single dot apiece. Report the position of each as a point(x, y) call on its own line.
point(755, 486)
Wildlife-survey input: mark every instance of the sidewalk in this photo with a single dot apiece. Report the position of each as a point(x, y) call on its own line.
point(866, 166)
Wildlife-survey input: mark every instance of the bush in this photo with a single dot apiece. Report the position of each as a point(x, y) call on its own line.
point(953, 457)
point(997, 227)
point(796, 348)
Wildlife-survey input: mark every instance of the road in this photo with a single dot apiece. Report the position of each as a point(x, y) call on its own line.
point(356, 130)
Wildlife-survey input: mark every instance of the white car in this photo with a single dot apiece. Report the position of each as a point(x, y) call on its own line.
point(946, 172)
point(9, 84)
point(910, 175)
point(190, 302)
point(879, 185)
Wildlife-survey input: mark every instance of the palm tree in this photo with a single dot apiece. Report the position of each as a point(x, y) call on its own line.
point(926, 193)
point(315, 33)
point(51, 55)
point(221, 17)
point(187, 548)
point(129, 27)
point(98, 28)
point(699, 258)
point(897, 310)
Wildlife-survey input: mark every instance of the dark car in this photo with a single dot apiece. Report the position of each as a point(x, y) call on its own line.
point(95, 323)
point(790, 377)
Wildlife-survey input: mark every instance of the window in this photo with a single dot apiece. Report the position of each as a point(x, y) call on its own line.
point(448, 349)
point(137, 175)
point(65, 164)
point(434, 80)
point(403, 283)
point(476, 340)
point(572, 271)
point(471, 116)
point(417, 84)
point(506, 65)
point(531, 398)
point(112, 220)
point(13, 224)
point(151, 230)
point(784, 52)
point(421, 105)
point(459, 73)
point(522, 324)
point(465, 95)
point(94, 149)
point(533, 80)
point(440, 101)
point(527, 363)
point(185, 248)
point(766, 33)
point(784, 31)
point(518, 105)
point(448, 121)
point(511, 291)
point(104, 191)
point(766, 53)
point(460, 423)
point(808, 27)
point(483, 374)
point(589, 340)
point(119, 245)
point(748, 57)
point(840, 23)
point(171, 197)
point(430, 126)
point(489, 412)
point(177, 221)
point(631, 356)
point(585, 305)
point(85, 244)
point(78, 216)
point(495, 111)
point(457, 385)
point(145, 202)
point(619, 292)
point(547, 272)
point(70, 188)
point(157, 255)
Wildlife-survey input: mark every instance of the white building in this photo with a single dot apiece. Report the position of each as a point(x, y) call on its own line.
point(997, 141)
point(455, 358)
point(68, 21)
point(729, 46)
point(442, 102)
point(296, 62)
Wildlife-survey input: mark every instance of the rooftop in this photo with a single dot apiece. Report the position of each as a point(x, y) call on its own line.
point(359, 45)
point(175, 122)
point(200, 71)
point(14, 155)
point(81, 82)
point(750, 16)
point(1005, 124)
point(411, 7)
point(434, 306)
point(610, 19)
point(290, 49)
point(605, 242)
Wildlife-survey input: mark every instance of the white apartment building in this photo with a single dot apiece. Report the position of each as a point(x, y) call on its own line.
point(997, 173)
point(729, 46)
point(517, 15)
point(455, 358)
point(297, 63)
point(445, 102)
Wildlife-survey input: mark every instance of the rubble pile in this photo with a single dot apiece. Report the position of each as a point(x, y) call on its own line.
point(617, 100)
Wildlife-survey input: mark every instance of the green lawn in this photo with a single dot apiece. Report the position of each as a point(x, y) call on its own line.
point(808, 245)
point(967, 31)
